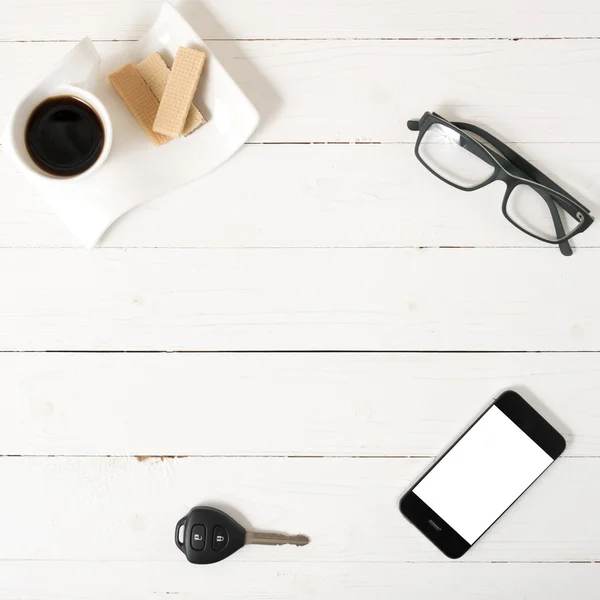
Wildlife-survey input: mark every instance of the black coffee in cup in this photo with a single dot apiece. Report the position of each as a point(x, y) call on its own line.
point(64, 136)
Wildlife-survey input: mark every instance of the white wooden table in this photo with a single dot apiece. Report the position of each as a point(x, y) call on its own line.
point(294, 337)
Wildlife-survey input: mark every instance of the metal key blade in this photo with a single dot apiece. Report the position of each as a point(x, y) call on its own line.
point(275, 539)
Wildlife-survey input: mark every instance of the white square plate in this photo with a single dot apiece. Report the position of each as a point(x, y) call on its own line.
point(136, 170)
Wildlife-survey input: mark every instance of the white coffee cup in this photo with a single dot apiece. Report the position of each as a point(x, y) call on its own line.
point(17, 126)
point(74, 77)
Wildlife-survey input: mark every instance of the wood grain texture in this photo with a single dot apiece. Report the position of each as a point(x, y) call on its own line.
point(129, 19)
point(341, 196)
point(348, 91)
point(289, 299)
point(348, 507)
point(31, 580)
point(280, 404)
point(304, 241)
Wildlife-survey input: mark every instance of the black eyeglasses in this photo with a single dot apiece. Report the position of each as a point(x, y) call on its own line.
point(532, 202)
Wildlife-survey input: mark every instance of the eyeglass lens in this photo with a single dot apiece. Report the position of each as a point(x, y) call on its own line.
point(454, 157)
point(528, 207)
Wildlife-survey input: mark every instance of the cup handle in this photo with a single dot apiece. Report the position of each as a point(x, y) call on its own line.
point(80, 67)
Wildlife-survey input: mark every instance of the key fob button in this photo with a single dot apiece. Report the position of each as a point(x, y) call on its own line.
point(220, 538)
point(198, 537)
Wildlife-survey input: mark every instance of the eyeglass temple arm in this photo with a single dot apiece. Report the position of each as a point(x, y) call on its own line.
point(531, 171)
point(565, 247)
point(520, 162)
point(513, 156)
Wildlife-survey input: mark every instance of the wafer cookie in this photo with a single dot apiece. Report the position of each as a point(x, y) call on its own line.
point(155, 72)
point(138, 97)
point(179, 92)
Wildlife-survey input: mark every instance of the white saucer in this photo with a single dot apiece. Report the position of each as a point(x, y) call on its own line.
point(136, 170)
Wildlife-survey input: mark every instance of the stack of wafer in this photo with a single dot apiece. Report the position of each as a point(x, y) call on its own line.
point(161, 98)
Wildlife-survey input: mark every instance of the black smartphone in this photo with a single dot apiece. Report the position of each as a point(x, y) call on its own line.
point(474, 482)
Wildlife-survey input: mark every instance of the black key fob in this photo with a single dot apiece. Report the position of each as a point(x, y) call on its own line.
point(207, 535)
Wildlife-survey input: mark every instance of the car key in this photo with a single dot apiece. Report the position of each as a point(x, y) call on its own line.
point(209, 535)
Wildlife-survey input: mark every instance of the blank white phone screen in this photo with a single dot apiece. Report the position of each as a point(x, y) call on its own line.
point(482, 475)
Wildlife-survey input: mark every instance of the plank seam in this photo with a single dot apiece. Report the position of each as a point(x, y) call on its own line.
point(392, 143)
point(288, 351)
point(162, 458)
point(328, 39)
point(291, 561)
point(299, 247)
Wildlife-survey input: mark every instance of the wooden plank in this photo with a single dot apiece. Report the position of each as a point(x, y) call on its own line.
point(297, 404)
point(129, 19)
point(349, 508)
point(53, 580)
point(314, 196)
point(299, 299)
point(335, 91)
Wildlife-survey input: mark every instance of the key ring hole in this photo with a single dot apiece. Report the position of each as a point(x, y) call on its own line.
point(180, 533)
